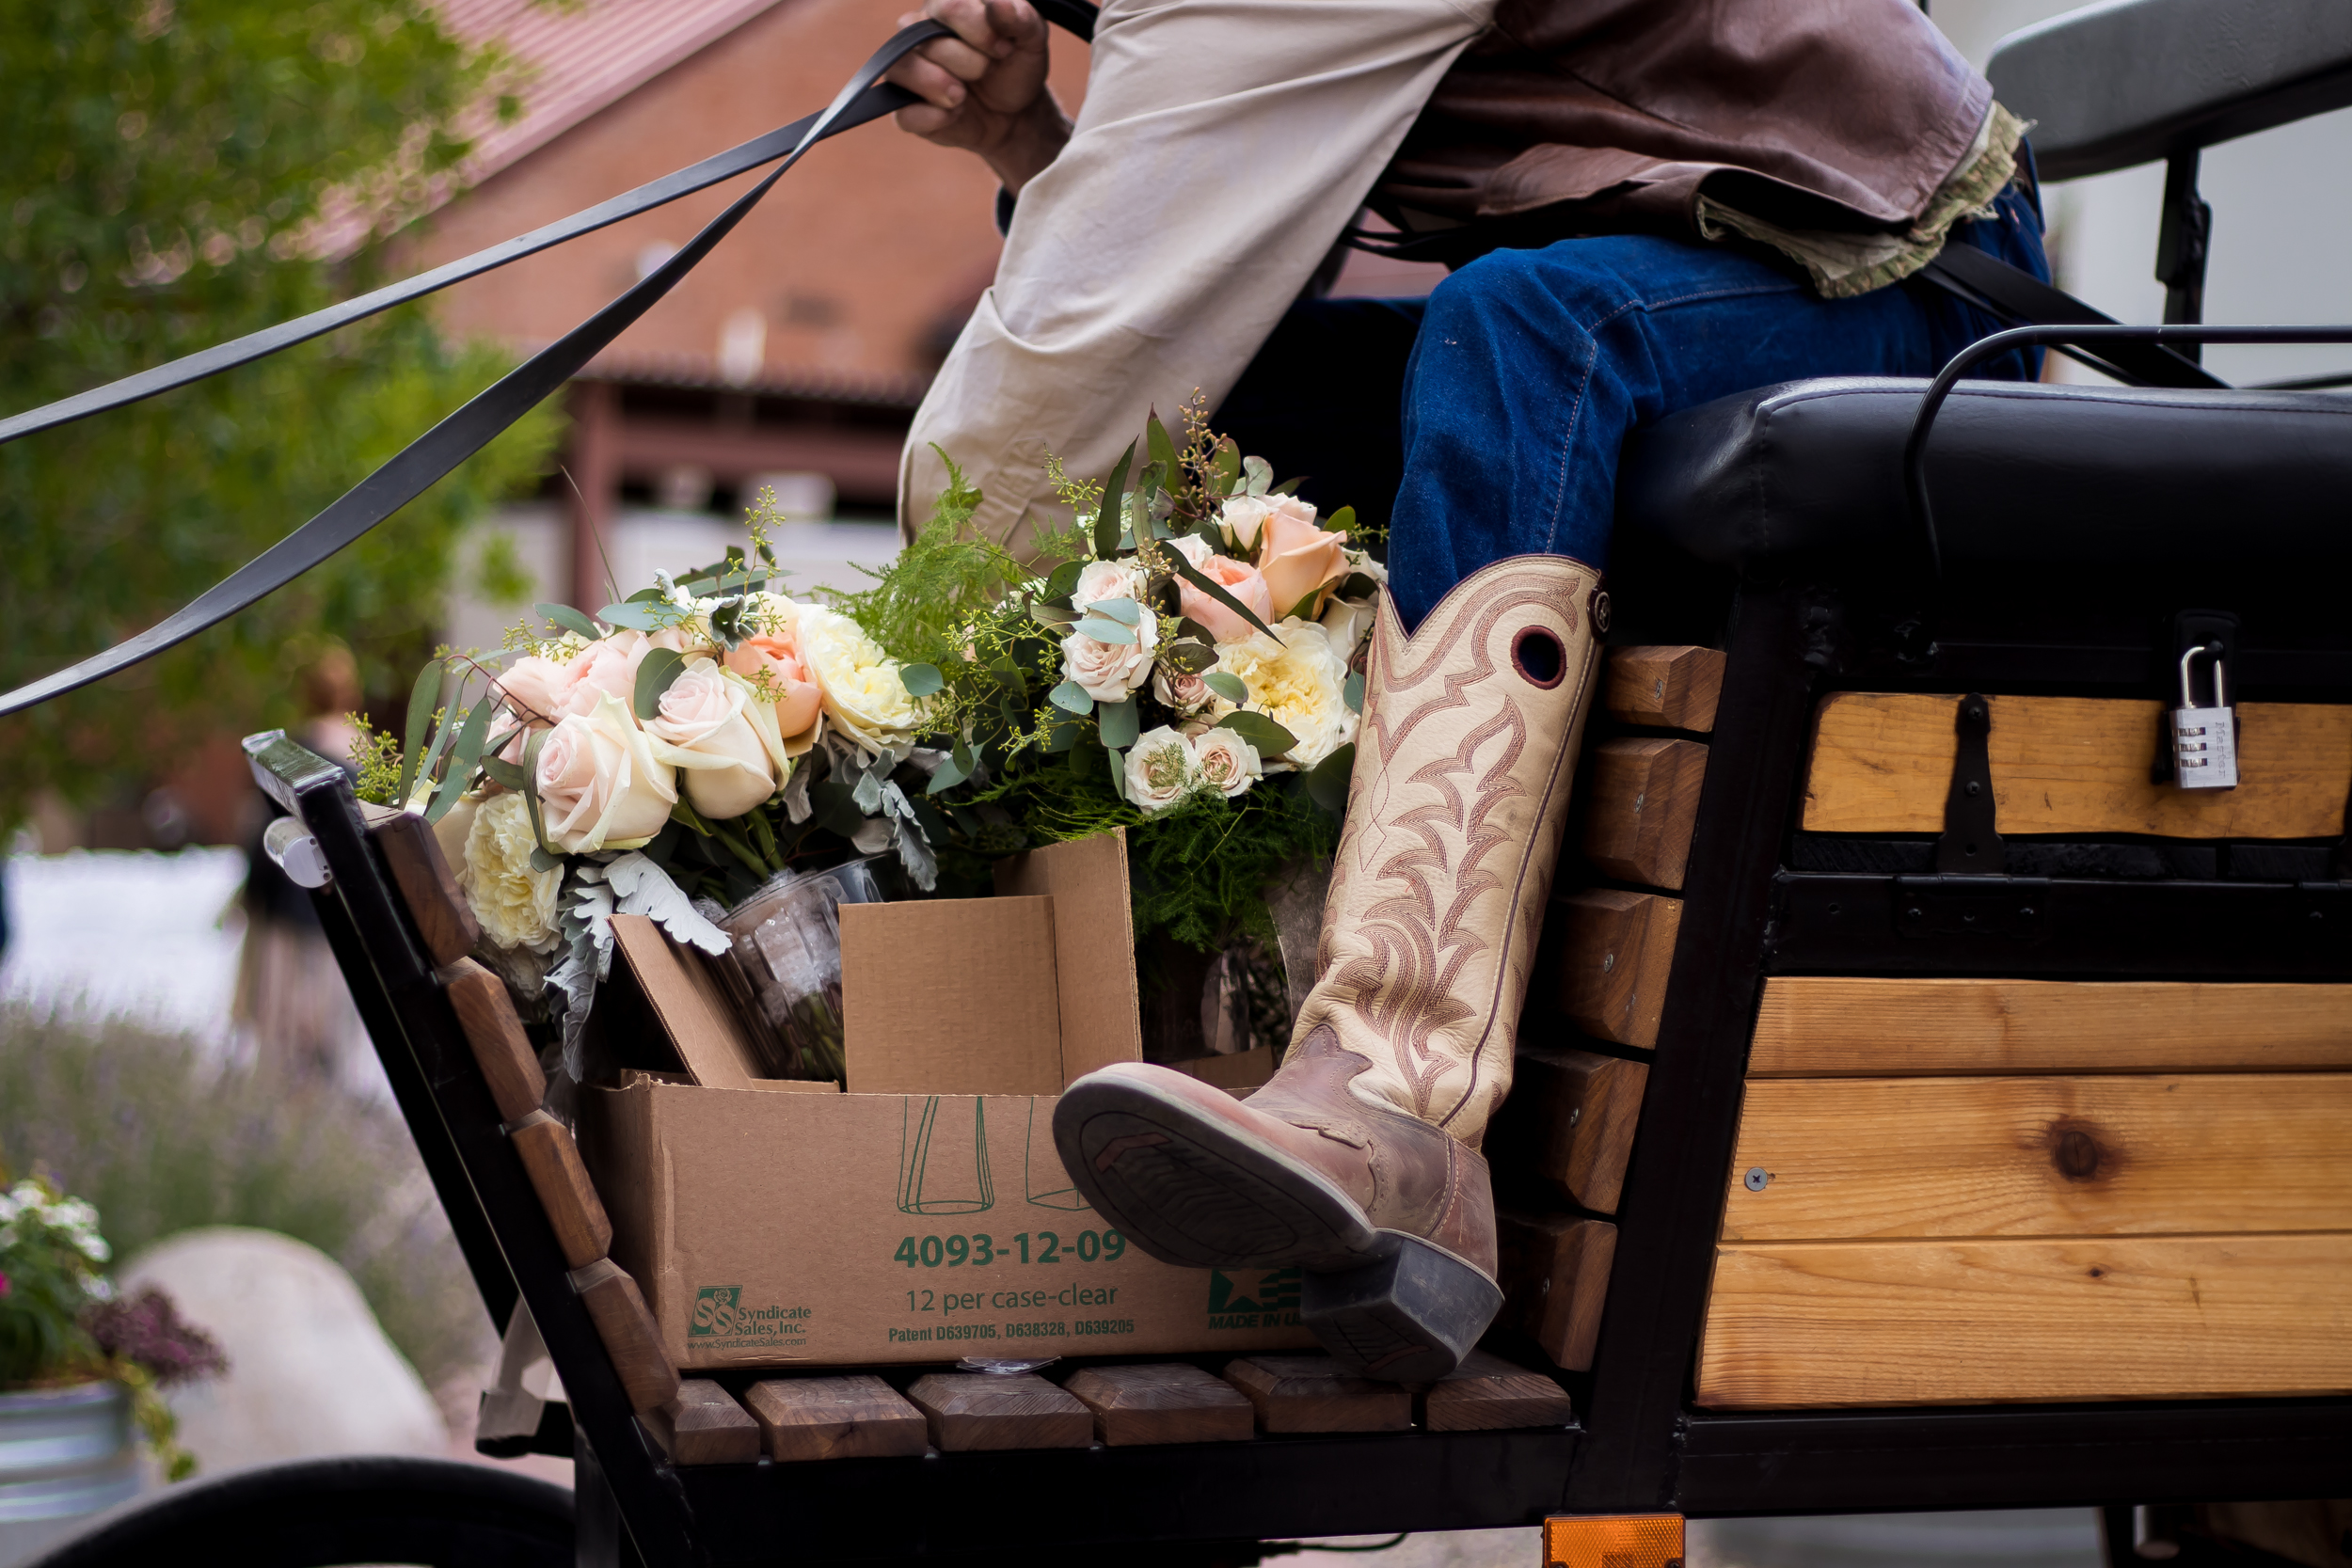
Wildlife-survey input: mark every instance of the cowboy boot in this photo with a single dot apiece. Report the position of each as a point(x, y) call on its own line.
point(1358, 1161)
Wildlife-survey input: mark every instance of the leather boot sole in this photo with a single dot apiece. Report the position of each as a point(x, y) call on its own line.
point(1193, 1191)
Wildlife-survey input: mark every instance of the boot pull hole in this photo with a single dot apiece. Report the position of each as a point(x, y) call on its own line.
point(1538, 656)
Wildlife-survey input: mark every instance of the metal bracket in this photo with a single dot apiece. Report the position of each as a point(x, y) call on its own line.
point(1970, 846)
point(2013, 907)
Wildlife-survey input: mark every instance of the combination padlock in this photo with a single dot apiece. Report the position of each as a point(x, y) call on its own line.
point(2205, 739)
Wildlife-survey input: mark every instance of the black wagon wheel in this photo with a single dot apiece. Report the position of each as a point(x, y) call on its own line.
point(320, 1513)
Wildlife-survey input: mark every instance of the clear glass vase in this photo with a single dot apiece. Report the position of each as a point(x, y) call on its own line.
point(785, 966)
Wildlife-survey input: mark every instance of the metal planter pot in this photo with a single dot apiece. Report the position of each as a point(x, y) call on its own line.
point(65, 1454)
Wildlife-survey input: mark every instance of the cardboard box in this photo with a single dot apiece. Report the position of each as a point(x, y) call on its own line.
point(924, 1215)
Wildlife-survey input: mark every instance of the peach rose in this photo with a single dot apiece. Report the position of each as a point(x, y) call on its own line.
point(704, 728)
point(1243, 582)
point(600, 785)
point(606, 668)
point(1300, 558)
point(799, 701)
point(1245, 518)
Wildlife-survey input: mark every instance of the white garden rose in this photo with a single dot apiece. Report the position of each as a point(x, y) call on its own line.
point(1161, 770)
point(707, 726)
point(1299, 682)
point(1106, 579)
point(600, 786)
point(1348, 621)
point(1361, 560)
point(514, 904)
point(864, 697)
point(1194, 548)
point(1108, 672)
point(1227, 762)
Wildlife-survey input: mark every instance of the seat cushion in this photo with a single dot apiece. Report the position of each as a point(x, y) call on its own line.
point(2016, 472)
point(2134, 80)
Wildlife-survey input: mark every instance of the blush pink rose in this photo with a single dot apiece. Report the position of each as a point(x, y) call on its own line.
point(703, 731)
point(1300, 558)
point(608, 668)
point(1243, 582)
point(600, 783)
point(537, 689)
point(799, 699)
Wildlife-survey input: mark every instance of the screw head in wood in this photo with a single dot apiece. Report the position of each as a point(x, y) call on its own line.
point(1758, 1179)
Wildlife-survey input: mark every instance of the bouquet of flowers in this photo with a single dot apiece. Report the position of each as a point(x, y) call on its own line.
point(61, 1322)
point(1187, 665)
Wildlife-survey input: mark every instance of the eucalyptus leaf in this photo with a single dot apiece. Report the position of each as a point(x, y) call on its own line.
point(1161, 447)
point(635, 617)
point(1120, 724)
point(1107, 520)
point(1326, 781)
point(1119, 774)
point(542, 861)
point(464, 759)
point(1052, 615)
point(1303, 610)
point(569, 619)
point(660, 668)
point(531, 797)
point(1064, 580)
point(1339, 521)
point(1070, 698)
point(950, 773)
point(1288, 486)
point(1104, 631)
point(502, 773)
point(1270, 739)
point(423, 699)
point(1192, 657)
point(1354, 691)
point(921, 680)
point(1191, 574)
point(1060, 735)
point(646, 595)
point(1225, 463)
point(1259, 472)
point(1226, 684)
point(1125, 611)
point(1359, 586)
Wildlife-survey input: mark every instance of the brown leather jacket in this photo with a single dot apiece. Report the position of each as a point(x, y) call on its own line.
point(1598, 116)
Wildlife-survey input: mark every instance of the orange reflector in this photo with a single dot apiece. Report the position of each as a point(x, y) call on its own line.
point(1615, 1540)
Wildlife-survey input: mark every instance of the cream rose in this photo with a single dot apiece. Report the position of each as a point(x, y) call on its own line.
point(1243, 582)
point(1161, 770)
point(705, 727)
point(1194, 548)
point(1227, 762)
point(1181, 689)
point(1243, 517)
point(1298, 681)
point(1300, 558)
point(1107, 672)
point(514, 904)
point(772, 663)
point(1106, 579)
point(1347, 622)
point(863, 693)
point(600, 783)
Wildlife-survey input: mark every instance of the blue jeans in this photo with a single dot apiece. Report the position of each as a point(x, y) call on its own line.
point(1529, 368)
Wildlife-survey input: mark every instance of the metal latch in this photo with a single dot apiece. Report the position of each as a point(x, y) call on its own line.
point(1970, 846)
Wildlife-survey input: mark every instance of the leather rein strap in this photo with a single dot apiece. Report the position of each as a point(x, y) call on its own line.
point(426, 459)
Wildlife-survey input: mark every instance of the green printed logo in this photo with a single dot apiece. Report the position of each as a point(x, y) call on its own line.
point(1254, 1298)
point(714, 1311)
point(720, 1313)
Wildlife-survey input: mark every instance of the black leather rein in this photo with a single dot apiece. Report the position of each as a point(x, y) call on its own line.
point(426, 459)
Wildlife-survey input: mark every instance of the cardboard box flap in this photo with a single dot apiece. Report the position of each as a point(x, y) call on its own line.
point(686, 1001)
point(951, 996)
point(1094, 946)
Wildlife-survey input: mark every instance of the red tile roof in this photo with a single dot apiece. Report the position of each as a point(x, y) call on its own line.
point(578, 57)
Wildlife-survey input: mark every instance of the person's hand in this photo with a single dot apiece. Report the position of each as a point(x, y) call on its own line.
point(984, 88)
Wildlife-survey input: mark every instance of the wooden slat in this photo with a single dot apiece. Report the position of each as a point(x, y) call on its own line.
point(627, 1328)
point(2054, 1156)
point(444, 919)
point(495, 1031)
point(971, 1411)
point(1882, 763)
point(1640, 802)
point(1569, 1121)
point(1171, 1402)
point(1817, 1323)
point(551, 1159)
point(1312, 1393)
point(1819, 1028)
point(1671, 688)
point(1555, 1277)
point(1615, 960)
point(856, 1417)
point(704, 1426)
point(1487, 1393)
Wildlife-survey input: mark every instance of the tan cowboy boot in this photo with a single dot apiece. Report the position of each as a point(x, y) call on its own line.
point(1358, 1161)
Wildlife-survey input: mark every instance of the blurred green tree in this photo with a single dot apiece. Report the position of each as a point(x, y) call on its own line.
point(175, 175)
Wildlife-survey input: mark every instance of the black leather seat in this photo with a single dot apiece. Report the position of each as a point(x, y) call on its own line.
point(2017, 472)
